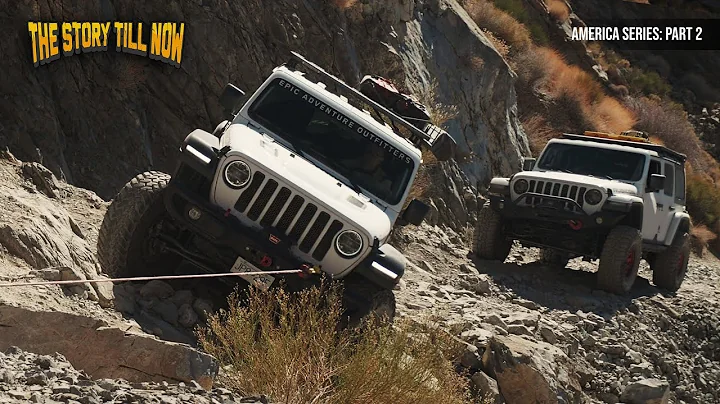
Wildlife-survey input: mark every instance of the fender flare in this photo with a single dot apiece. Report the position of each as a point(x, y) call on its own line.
point(680, 224)
point(384, 266)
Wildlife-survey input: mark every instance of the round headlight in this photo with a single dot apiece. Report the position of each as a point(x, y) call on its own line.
point(521, 186)
point(593, 197)
point(237, 174)
point(349, 243)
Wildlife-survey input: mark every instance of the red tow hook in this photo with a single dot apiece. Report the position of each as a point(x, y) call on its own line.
point(307, 270)
point(575, 224)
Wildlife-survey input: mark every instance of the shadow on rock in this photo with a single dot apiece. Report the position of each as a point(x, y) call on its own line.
point(563, 289)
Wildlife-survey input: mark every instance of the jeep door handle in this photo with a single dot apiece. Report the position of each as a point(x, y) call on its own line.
point(660, 205)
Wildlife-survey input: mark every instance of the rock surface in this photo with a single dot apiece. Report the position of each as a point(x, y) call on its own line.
point(28, 377)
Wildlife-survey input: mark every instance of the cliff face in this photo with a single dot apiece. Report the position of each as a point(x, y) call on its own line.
point(98, 119)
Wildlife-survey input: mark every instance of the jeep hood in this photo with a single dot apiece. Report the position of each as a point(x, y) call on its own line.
point(616, 187)
point(308, 179)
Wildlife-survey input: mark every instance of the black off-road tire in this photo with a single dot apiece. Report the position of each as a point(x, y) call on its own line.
point(670, 266)
point(619, 260)
point(365, 301)
point(490, 242)
point(123, 238)
point(553, 258)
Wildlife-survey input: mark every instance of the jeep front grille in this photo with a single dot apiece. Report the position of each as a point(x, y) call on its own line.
point(291, 215)
point(573, 192)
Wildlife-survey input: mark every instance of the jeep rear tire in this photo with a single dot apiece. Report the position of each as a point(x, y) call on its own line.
point(553, 258)
point(490, 242)
point(365, 301)
point(619, 260)
point(125, 248)
point(670, 266)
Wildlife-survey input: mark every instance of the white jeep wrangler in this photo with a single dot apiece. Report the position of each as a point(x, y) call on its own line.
point(300, 176)
point(618, 198)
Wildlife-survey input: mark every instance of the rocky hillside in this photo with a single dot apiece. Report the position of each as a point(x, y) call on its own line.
point(98, 119)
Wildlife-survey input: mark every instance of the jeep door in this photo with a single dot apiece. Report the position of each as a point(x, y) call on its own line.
point(658, 205)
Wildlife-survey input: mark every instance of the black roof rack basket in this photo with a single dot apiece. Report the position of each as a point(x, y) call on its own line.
point(430, 138)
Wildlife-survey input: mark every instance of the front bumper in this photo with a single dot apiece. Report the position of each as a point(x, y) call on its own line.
point(558, 223)
point(223, 233)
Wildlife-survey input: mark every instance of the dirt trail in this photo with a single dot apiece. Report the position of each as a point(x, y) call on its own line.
point(614, 342)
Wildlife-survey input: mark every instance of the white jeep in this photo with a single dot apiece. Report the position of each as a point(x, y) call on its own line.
point(618, 198)
point(301, 175)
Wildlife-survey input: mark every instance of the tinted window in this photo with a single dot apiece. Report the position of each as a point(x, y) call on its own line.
point(679, 183)
point(598, 162)
point(335, 140)
point(669, 179)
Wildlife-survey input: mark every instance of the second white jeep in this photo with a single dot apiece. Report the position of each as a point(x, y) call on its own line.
point(618, 198)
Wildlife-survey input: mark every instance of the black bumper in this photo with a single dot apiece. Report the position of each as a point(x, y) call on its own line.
point(225, 232)
point(552, 225)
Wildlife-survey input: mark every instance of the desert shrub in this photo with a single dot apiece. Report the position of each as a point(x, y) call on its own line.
point(538, 132)
point(440, 113)
point(700, 238)
point(703, 199)
point(558, 10)
point(646, 82)
point(538, 34)
point(344, 4)
point(668, 121)
point(610, 115)
point(500, 23)
point(289, 346)
point(502, 48)
point(535, 65)
point(513, 7)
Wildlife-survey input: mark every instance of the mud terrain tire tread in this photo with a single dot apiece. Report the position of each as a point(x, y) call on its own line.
point(553, 259)
point(129, 209)
point(613, 276)
point(665, 264)
point(489, 242)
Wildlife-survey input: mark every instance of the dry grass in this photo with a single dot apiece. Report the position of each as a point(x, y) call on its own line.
point(700, 238)
point(500, 23)
point(439, 112)
point(500, 46)
point(538, 132)
point(558, 10)
point(291, 348)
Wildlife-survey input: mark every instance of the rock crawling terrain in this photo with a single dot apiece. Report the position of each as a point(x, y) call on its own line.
point(533, 334)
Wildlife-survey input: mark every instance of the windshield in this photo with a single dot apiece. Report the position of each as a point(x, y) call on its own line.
point(598, 162)
point(321, 132)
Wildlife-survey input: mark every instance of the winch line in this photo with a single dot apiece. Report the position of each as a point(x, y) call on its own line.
point(151, 278)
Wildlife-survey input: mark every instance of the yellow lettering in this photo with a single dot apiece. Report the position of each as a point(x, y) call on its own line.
point(166, 39)
point(140, 45)
point(177, 44)
point(105, 28)
point(131, 45)
point(95, 34)
point(76, 27)
point(43, 42)
point(155, 41)
point(86, 35)
point(118, 26)
point(53, 39)
point(33, 29)
point(67, 46)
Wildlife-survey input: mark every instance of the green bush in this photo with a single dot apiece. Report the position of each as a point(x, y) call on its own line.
point(703, 200)
point(646, 82)
point(513, 7)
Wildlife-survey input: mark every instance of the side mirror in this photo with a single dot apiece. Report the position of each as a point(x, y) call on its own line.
point(230, 98)
point(528, 164)
point(415, 212)
point(656, 183)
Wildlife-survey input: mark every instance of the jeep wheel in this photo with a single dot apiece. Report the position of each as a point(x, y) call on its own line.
point(619, 260)
point(365, 301)
point(670, 266)
point(553, 258)
point(490, 242)
point(125, 245)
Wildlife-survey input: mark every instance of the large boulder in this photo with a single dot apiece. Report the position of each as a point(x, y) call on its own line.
point(531, 372)
point(646, 391)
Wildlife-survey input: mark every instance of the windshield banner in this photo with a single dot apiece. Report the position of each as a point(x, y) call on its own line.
point(342, 119)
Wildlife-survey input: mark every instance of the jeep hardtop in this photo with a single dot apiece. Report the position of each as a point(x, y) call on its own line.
point(616, 198)
point(304, 174)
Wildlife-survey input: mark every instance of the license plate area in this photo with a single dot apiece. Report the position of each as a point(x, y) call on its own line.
point(260, 281)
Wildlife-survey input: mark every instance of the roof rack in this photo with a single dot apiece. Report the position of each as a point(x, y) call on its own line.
point(439, 142)
point(621, 140)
